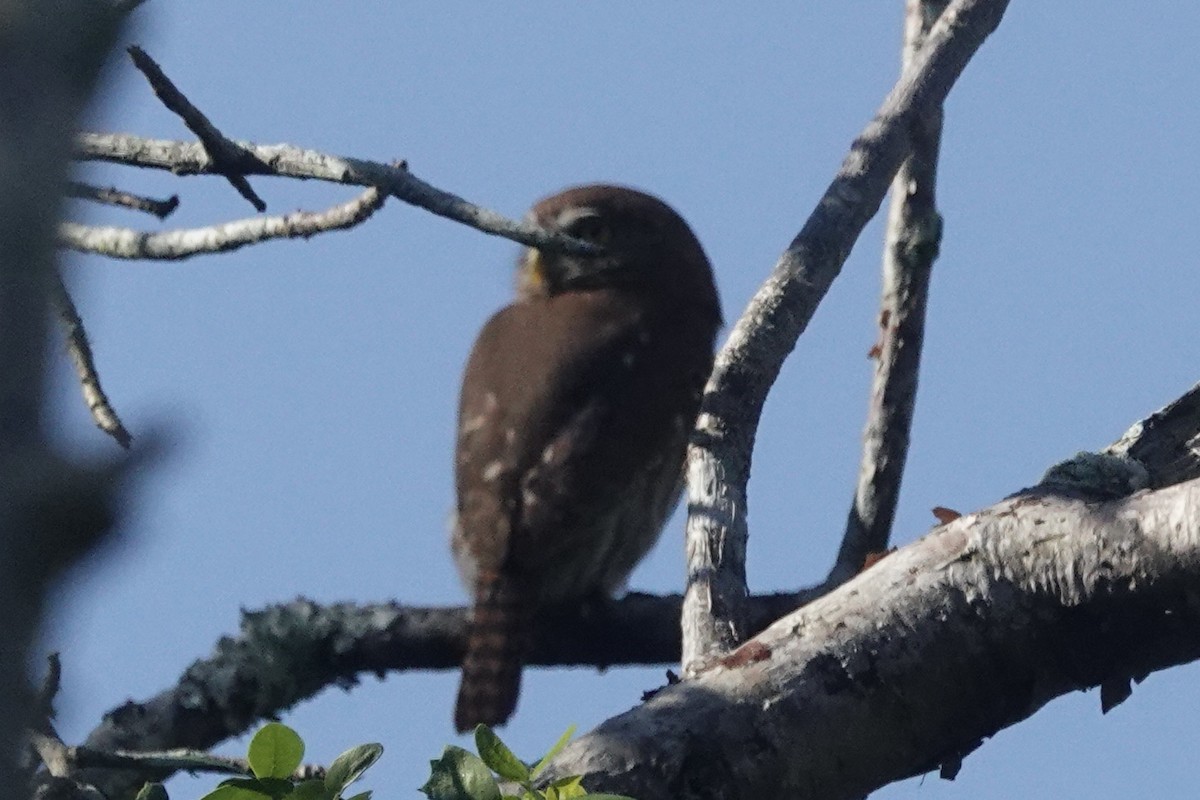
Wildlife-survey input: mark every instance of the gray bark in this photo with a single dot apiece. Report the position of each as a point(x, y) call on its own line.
point(911, 664)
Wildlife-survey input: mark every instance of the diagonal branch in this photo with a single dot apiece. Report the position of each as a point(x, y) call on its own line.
point(911, 244)
point(746, 367)
point(229, 159)
point(175, 245)
point(80, 350)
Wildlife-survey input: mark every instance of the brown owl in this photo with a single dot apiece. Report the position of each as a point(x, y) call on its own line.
point(575, 411)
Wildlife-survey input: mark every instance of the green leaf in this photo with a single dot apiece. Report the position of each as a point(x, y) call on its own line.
point(569, 787)
point(460, 775)
point(349, 766)
point(313, 789)
point(361, 796)
point(553, 751)
point(152, 791)
point(275, 751)
point(496, 755)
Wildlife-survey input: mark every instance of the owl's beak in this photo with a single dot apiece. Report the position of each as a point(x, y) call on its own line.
point(541, 274)
point(533, 269)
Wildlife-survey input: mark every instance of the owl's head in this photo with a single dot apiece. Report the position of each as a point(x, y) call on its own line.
point(643, 243)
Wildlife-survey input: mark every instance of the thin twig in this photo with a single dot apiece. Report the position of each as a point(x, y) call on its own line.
point(748, 363)
point(287, 161)
point(104, 415)
point(175, 245)
point(230, 159)
point(910, 246)
point(115, 197)
point(170, 761)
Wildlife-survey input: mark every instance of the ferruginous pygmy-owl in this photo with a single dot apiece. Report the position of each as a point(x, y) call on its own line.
point(576, 407)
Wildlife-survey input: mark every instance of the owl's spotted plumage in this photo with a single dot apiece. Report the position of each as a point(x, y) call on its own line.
point(573, 421)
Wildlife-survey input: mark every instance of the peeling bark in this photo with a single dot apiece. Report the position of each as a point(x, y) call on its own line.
point(909, 666)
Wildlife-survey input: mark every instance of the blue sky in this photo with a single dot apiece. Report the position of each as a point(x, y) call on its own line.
point(309, 387)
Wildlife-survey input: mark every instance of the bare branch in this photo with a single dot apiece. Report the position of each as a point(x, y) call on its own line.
point(180, 244)
point(80, 351)
point(282, 160)
point(228, 158)
point(911, 244)
point(157, 765)
point(746, 367)
point(115, 197)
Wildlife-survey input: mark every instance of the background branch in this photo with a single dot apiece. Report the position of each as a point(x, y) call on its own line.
point(911, 243)
point(175, 245)
point(746, 367)
point(287, 161)
point(80, 351)
point(229, 159)
point(115, 197)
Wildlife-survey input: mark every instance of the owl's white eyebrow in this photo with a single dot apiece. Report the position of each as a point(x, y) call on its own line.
point(570, 216)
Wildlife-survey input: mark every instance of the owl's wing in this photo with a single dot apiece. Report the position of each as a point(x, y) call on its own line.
point(547, 427)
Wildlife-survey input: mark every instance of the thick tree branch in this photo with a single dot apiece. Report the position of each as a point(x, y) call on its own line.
point(746, 367)
point(913, 663)
point(176, 245)
point(911, 244)
point(286, 161)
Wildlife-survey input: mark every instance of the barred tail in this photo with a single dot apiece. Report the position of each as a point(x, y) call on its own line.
point(496, 646)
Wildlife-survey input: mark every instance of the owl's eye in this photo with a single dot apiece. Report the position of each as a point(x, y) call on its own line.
point(590, 227)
